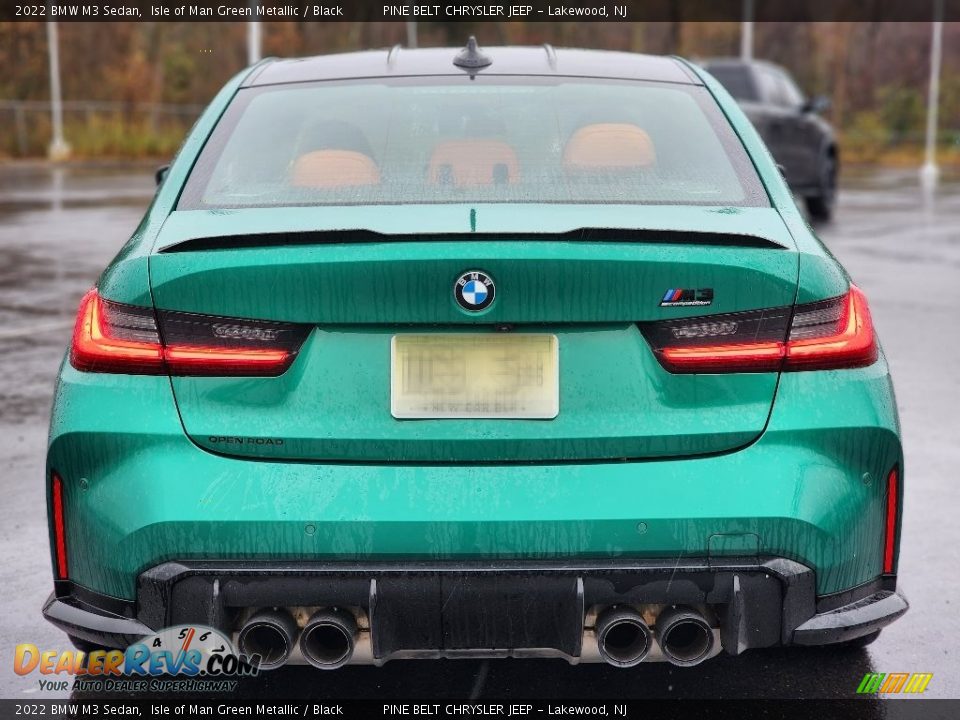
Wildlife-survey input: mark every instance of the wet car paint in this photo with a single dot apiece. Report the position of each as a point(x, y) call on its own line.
point(57, 230)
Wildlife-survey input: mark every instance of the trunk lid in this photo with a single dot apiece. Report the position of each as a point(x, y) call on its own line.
point(360, 276)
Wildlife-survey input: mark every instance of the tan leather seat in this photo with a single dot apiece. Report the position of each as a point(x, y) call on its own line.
point(472, 163)
point(334, 169)
point(604, 147)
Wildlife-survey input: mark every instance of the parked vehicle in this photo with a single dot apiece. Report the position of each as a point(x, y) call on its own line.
point(802, 142)
point(463, 353)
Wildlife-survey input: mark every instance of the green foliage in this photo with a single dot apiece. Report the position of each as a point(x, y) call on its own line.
point(179, 68)
point(902, 111)
point(103, 135)
point(865, 137)
point(113, 136)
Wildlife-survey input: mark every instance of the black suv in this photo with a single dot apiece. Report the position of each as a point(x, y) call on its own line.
point(802, 142)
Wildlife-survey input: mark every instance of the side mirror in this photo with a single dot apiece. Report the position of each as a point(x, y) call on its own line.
point(817, 104)
point(161, 173)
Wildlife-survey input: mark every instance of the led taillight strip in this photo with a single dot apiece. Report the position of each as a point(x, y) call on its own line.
point(756, 357)
point(189, 360)
point(96, 348)
point(853, 345)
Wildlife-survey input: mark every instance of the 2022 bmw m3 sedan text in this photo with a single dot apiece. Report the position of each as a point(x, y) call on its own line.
point(501, 352)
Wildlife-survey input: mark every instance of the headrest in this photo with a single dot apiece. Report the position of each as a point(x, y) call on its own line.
point(473, 162)
point(608, 146)
point(334, 169)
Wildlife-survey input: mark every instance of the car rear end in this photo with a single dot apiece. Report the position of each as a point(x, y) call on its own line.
point(450, 381)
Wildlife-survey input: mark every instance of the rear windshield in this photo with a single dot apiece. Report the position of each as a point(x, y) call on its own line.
point(453, 140)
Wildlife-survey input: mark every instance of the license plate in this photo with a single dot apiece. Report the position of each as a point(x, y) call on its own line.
point(475, 376)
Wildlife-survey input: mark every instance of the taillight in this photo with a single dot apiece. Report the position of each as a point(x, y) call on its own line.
point(110, 337)
point(835, 333)
point(211, 345)
point(115, 338)
point(59, 526)
point(735, 342)
point(890, 530)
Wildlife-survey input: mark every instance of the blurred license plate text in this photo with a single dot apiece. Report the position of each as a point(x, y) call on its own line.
point(475, 376)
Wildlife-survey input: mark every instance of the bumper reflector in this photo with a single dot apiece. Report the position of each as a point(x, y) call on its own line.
point(890, 536)
point(59, 526)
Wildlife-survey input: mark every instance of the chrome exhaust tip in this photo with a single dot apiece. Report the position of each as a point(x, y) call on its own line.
point(685, 637)
point(623, 638)
point(270, 634)
point(328, 638)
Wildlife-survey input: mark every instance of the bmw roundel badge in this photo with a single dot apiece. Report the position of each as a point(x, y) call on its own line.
point(474, 290)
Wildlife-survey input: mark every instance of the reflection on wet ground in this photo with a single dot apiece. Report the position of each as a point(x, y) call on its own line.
point(778, 673)
point(59, 228)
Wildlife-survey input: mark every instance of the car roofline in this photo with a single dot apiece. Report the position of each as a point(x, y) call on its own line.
point(531, 61)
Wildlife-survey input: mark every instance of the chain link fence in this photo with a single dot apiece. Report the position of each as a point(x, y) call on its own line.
point(96, 128)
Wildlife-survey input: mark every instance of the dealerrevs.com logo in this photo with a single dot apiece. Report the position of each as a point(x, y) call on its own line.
point(185, 657)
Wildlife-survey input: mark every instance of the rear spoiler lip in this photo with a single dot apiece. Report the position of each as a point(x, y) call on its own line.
point(586, 234)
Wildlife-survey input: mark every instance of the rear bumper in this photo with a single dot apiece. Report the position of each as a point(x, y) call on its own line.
point(780, 542)
point(848, 622)
point(95, 618)
point(488, 609)
point(138, 493)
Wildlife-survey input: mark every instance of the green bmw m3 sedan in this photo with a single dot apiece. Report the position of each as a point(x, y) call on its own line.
point(475, 353)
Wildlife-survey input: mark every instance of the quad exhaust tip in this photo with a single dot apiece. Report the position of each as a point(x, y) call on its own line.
point(328, 638)
point(623, 638)
point(271, 634)
point(685, 637)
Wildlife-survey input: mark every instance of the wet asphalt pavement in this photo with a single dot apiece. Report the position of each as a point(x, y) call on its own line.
point(58, 228)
